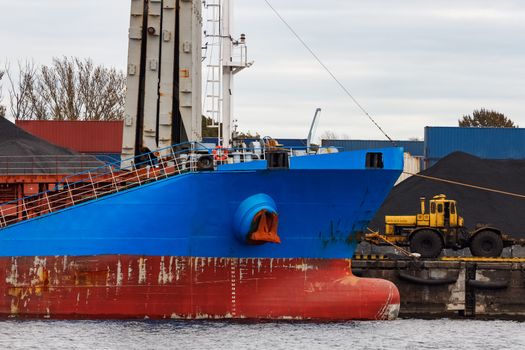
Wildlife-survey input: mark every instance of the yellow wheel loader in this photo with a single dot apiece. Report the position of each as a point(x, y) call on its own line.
point(429, 233)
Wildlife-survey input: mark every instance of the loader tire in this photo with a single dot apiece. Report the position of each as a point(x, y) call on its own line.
point(427, 243)
point(486, 244)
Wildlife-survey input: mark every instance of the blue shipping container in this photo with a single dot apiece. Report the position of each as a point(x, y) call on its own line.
point(415, 148)
point(486, 143)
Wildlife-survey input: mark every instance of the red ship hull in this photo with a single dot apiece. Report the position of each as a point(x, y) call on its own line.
point(127, 287)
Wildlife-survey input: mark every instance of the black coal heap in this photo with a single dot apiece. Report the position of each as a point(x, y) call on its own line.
point(17, 142)
point(474, 205)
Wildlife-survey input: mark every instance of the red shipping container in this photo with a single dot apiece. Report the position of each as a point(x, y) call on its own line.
point(80, 136)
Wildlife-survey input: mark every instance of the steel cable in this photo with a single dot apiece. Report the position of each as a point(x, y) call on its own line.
point(341, 85)
point(482, 188)
point(356, 102)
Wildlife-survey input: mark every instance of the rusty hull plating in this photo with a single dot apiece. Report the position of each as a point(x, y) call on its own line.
point(127, 286)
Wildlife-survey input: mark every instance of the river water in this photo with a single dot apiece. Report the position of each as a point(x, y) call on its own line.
point(391, 335)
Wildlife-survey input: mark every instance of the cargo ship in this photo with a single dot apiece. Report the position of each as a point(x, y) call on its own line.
point(196, 231)
point(258, 239)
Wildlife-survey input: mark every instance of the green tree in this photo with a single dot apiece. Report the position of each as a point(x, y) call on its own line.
point(485, 118)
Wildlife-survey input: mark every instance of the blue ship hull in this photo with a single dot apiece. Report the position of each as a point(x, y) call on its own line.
point(322, 201)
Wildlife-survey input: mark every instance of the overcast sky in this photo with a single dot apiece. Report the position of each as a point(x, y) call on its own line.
point(411, 63)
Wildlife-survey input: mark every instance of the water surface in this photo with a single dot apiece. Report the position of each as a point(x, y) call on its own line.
point(400, 334)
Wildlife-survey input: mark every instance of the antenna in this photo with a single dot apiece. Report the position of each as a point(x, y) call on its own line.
point(313, 128)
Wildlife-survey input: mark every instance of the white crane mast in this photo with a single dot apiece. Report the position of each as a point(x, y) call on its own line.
point(164, 75)
point(163, 98)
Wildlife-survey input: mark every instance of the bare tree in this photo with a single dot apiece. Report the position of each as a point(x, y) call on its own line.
point(101, 91)
point(23, 96)
point(332, 135)
point(68, 89)
point(2, 108)
point(57, 85)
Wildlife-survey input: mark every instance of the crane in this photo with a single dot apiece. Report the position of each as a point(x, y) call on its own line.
point(164, 74)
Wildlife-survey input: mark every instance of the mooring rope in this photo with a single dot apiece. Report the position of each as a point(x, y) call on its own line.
point(402, 250)
point(482, 188)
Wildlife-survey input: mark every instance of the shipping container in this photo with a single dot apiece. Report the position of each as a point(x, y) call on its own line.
point(415, 148)
point(486, 143)
point(81, 136)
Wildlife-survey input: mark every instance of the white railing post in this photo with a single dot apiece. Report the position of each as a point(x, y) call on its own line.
point(175, 162)
point(113, 178)
point(152, 166)
point(92, 184)
point(2, 222)
point(138, 176)
point(25, 209)
point(163, 167)
point(70, 192)
point(48, 203)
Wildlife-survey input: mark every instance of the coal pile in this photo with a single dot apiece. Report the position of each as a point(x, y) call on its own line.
point(475, 206)
point(23, 153)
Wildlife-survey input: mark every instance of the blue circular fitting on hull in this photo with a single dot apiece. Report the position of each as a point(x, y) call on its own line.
point(243, 217)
